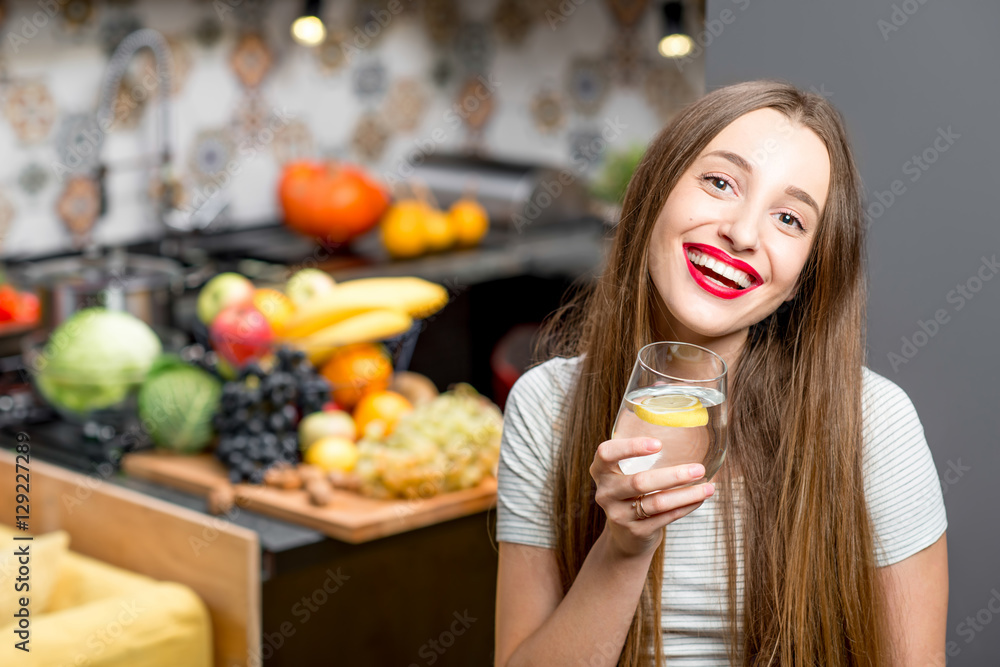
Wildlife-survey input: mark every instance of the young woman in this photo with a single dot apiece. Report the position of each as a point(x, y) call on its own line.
point(821, 541)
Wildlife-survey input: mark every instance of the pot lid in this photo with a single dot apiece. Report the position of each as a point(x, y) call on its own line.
point(116, 269)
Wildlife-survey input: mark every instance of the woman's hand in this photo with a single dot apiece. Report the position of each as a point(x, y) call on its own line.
point(616, 493)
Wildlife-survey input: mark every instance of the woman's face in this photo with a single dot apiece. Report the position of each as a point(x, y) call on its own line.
point(749, 206)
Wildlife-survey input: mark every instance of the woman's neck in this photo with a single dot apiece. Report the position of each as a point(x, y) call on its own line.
point(729, 347)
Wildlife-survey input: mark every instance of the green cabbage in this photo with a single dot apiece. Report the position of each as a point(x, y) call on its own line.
point(93, 359)
point(176, 404)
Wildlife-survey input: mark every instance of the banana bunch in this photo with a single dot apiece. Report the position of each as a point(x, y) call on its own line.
point(357, 311)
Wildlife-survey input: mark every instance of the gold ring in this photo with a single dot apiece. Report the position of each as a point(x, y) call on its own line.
point(640, 511)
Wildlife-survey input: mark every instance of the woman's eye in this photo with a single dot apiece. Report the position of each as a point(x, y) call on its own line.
point(718, 182)
point(791, 219)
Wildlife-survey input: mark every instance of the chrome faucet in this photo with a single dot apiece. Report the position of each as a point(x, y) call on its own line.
point(166, 212)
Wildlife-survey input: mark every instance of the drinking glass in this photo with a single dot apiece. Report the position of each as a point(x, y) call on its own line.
point(676, 394)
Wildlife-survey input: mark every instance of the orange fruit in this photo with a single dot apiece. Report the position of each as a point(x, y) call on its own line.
point(354, 370)
point(469, 221)
point(385, 406)
point(440, 235)
point(275, 306)
point(403, 229)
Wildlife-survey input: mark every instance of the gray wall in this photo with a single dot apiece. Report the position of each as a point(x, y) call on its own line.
point(901, 89)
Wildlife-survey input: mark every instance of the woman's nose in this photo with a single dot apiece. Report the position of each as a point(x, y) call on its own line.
point(740, 232)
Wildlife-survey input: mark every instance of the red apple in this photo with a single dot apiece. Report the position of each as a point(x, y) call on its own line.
point(240, 333)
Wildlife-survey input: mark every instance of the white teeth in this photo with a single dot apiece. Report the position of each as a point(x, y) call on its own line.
point(730, 273)
point(741, 278)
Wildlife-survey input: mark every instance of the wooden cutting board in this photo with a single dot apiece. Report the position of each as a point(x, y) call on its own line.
point(349, 517)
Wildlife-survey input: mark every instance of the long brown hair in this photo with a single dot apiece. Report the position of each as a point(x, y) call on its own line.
point(811, 594)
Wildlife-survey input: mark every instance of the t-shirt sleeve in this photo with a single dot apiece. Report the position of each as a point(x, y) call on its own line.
point(901, 482)
point(526, 453)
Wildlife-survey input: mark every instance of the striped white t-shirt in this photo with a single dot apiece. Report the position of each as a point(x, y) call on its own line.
point(901, 485)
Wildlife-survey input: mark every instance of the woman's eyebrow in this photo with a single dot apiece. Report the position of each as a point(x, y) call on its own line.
point(745, 165)
point(735, 158)
point(802, 196)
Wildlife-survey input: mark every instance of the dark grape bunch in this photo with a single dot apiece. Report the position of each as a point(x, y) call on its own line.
point(259, 414)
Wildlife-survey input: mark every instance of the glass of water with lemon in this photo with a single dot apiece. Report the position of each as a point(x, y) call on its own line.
point(676, 394)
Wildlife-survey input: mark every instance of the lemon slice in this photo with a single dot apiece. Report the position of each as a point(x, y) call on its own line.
point(672, 410)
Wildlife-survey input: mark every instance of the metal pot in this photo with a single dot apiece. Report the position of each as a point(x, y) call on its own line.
point(142, 285)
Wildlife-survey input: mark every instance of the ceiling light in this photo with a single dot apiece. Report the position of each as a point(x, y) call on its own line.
point(676, 43)
point(308, 28)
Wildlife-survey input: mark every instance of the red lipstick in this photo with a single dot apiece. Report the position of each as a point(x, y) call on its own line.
point(713, 287)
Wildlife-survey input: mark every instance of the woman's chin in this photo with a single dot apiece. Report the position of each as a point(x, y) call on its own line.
point(708, 323)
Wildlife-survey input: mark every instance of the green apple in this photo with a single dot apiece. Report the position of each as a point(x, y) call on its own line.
point(220, 292)
point(307, 284)
point(322, 424)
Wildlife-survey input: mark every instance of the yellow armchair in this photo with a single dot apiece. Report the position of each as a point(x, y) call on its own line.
point(87, 612)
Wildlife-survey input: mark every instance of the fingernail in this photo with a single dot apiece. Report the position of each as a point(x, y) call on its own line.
point(696, 470)
point(652, 445)
point(709, 489)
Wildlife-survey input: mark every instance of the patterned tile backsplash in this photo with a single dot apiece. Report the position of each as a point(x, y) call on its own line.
point(395, 81)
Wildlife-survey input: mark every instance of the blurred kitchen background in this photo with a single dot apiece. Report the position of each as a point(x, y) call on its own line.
point(384, 89)
point(154, 149)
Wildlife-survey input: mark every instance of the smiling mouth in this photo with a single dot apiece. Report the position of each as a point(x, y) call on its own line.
point(713, 270)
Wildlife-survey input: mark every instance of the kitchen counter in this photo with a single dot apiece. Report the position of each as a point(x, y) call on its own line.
point(276, 536)
point(573, 247)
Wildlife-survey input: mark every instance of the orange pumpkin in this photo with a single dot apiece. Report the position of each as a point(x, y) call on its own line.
point(331, 202)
